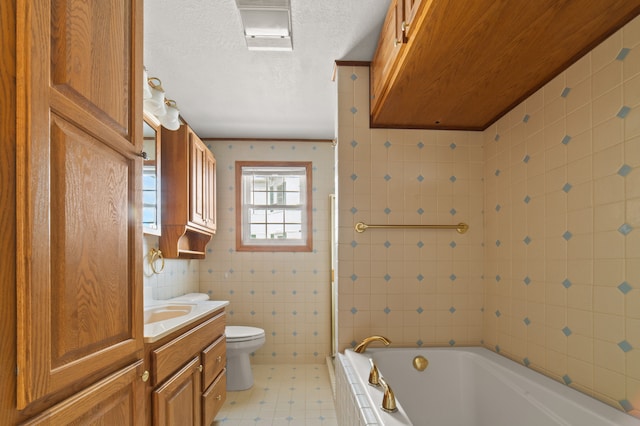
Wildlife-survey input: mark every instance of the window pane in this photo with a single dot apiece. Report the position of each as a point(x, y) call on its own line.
point(259, 198)
point(275, 183)
point(275, 232)
point(258, 232)
point(257, 215)
point(276, 198)
point(275, 216)
point(292, 183)
point(259, 183)
point(293, 216)
point(293, 231)
point(292, 198)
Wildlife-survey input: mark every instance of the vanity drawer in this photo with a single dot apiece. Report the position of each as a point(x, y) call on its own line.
point(170, 357)
point(213, 398)
point(214, 358)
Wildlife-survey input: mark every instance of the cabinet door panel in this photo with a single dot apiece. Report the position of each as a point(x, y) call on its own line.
point(210, 195)
point(198, 182)
point(177, 402)
point(79, 241)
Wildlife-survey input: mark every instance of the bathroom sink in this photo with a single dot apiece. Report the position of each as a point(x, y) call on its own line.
point(165, 312)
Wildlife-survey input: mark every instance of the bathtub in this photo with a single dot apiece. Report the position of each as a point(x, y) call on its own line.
point(461, 387)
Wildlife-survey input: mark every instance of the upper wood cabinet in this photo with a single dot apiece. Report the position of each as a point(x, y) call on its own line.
point(464, 64)
point(79, 173)
point(188, 194)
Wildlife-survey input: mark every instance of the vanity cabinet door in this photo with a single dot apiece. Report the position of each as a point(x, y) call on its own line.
point(177, 401)
point(79, 173)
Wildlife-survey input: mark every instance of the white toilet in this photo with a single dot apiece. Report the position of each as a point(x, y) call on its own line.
point(241, 342)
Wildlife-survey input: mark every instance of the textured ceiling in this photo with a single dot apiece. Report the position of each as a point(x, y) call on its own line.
point(197, 49)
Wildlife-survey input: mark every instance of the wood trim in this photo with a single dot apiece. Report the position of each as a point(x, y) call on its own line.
point(266, 140)
point(240, 246)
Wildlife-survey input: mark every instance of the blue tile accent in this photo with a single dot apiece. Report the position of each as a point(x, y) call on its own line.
point(526, 158)
point(420, 244)
point(453, 179)
point(354, 277)
point(387, 310)
point(354, 77)
point(526, 321)
point(420, 211)
point(565, 92)
point(625, 346)
point(387, 244)
point(498, 278)
point(387, 210)
point(453, 212)
point(387, 144)
point(497, 172)
point(497, 137)
point(566, 139)
point(387, 277)
point(498, 243)
point(452, 309)
point(625, 229)
point(625, 287)
point(567, 187)
point(566, 283)
point(387, 177)
point(526, 118)
point(624, 111)
point(419, 342)
point(353, 110)
point(526, 362)
point(354, 244)
point(452, 342)
point(623, 54)
point(353, 210)
point(527, 280)
point(498, 207)
point(497, 313)
point(420, 145)
point(527, 199)
point(498, 348)
point(626, 405)
point(566, 331)
point(452, 244)
point(420, 277)
point(419, 310)
point(566, 379)
point(567, 235)
point(420, 178)
point(452, 277)
point(624, 170)
point(527, 240)
point(354, 176)
point(354, 144)
point(452, 146)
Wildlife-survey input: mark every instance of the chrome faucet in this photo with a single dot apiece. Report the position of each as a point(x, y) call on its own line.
point(363, 345)
point(388, 399)
point(374, 374)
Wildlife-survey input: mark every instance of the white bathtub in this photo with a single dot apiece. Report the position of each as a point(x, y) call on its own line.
point(461, 387)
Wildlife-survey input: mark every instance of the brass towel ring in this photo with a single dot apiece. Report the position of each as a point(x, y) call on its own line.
point(154, 255)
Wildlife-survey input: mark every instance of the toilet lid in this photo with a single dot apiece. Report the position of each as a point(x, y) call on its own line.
point(240, 333)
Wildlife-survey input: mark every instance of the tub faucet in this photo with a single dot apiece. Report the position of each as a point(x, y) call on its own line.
point(388, 399)
point(363, 345)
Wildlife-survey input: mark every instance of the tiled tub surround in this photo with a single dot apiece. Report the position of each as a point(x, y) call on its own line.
point(549, 273)
point(462, 386)
point(286, 294)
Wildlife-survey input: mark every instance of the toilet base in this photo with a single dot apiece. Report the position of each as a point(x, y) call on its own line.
point(239, 374)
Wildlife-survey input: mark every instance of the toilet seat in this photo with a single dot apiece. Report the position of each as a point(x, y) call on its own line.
point(239, 333)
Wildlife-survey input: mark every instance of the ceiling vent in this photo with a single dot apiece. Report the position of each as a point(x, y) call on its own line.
point(267, 24)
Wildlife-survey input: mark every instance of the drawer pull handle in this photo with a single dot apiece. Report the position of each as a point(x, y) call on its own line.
point(219, 397)
point(145, 376)
point(219, 358)
point(200, 368)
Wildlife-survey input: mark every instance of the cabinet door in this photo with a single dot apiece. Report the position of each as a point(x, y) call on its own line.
point(116, 400)
point(198, 183)
point(210, 190)
point(177, 401)
point(79, 175)
point(410, 9)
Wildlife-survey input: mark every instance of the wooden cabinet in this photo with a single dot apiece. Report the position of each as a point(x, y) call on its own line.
point(462, 65)
point(188, 194)
point(188, 375)
point(73, 317)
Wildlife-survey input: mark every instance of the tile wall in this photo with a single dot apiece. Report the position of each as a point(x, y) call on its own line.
point(416, 287)
point(562, 226)
point(549, 273)
point(286, 294)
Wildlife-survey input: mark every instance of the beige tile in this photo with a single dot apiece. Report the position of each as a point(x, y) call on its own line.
point(606, 52)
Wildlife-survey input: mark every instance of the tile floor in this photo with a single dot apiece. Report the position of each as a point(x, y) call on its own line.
point(282, 394)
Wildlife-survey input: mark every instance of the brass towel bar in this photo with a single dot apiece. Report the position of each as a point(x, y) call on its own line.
point(461, 227)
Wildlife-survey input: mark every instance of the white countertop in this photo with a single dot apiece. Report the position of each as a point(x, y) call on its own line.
point(157, 330)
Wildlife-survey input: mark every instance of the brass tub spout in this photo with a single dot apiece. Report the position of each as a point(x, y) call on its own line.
point(363, 345)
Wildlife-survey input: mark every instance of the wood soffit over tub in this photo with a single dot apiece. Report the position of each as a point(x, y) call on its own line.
point(464, 64)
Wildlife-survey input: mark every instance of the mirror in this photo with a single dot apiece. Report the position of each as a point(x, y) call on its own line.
point(151, 177)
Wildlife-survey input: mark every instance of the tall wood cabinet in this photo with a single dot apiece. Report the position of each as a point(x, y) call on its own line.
point(188, 194)
point(72, 324)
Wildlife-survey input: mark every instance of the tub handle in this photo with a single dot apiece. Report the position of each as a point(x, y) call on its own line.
point(388, 399)
point(374, 374)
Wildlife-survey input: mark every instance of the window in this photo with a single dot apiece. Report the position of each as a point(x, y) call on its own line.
point(273, 206)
